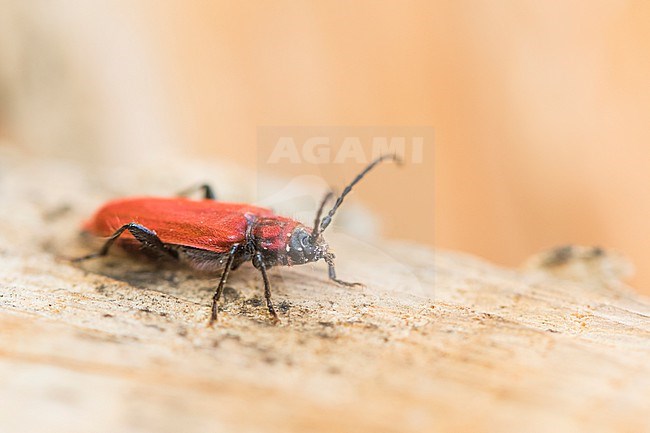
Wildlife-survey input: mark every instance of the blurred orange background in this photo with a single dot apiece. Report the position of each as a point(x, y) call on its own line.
point(540, 109)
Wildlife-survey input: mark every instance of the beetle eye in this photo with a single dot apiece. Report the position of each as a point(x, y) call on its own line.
point(301, 248)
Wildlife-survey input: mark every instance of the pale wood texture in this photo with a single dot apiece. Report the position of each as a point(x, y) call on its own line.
point(437, 341)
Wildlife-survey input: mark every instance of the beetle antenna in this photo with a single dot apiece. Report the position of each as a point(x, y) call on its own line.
point(328, 218)
point(316, 230)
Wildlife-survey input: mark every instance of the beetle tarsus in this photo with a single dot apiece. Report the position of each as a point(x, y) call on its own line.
point(87, 257)
point(222, 283)
point(347, 284)
point(331, 270)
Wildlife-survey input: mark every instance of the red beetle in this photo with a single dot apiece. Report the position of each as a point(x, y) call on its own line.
point(214, 236)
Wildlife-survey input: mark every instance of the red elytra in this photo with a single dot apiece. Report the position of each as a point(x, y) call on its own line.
point(211, 235)
point(206, 224)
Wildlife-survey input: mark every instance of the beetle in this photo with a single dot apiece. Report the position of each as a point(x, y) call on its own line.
point(215, 236)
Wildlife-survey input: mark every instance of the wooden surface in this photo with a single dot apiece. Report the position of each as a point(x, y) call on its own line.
point(437, 341)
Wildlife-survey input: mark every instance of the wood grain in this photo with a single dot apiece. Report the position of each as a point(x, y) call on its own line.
point(437, 341)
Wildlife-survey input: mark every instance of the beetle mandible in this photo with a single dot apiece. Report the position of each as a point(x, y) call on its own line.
point(210, 235)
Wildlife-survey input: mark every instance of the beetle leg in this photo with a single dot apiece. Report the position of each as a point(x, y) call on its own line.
point(208, 191)
point(146, 237)
point(258, 262)
point(222, 282)
point(331, 270)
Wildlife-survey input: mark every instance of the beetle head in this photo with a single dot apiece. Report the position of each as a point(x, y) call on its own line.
point(303, 248)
